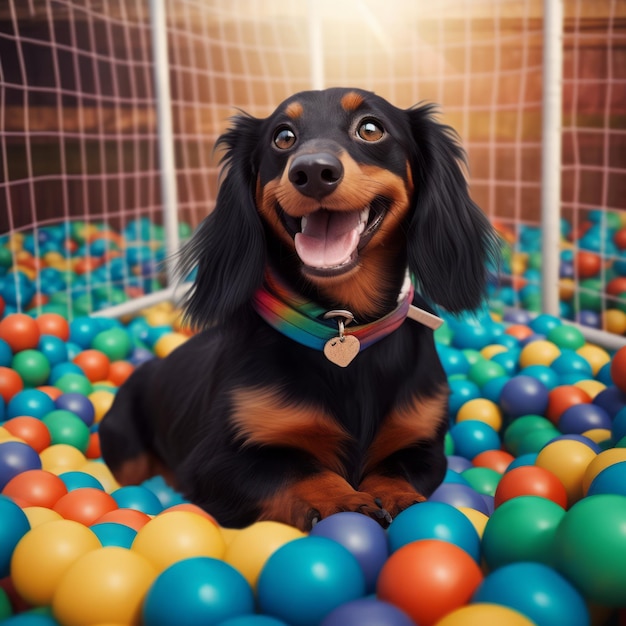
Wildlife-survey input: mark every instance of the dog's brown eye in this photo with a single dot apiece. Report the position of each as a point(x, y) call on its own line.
point(284, 138)
point(370, 130)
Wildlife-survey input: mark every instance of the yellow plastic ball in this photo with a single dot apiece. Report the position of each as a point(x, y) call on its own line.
point(251, 547)
point(44, 554)
point(615, 321)
point(5, 435)
point(491, 350)
point(598, 434)
point(592, 387)
point(539, 352)
point(106, 585)
point(176, 535)
point(61, 457)
point(595, 356)
point(102, 401)
point(481, 614)
point(168, 343)
point(567, 289)
point(38, 515)
point(601, 462)
point(479, 520)
point(158, 317)
point(568, 461)
point(482, 410)
point(102, 473)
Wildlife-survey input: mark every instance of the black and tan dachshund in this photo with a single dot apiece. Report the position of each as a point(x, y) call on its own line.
point(313, 385)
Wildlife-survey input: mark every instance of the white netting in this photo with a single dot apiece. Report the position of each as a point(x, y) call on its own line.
point(80, 147)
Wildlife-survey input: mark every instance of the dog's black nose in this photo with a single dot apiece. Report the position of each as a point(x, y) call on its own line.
point(316, 174)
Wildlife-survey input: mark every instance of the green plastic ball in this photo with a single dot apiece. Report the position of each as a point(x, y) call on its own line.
point(114, 342)
point(590, 548)
point(66, 427)
point(566, 337)
point(32, 366)
point(522, 426)
point(483, 370)
point(74, 383)
point(482, 479)
point(521, 529)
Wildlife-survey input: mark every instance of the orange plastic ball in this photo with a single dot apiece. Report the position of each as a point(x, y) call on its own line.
point(36, 488)
point(10, 383)
point(51, 392)
point(119, 371)
point(428, 579)
point(519, 331)
point(53, 324)
point(618, 369)
point(530, 480)
point(497, 460)
point(562, 398)
point(127, 517)
point(20, 331)
point(93, 450)
point(31, 430)
point(85, 505)
point(587, 264)
point(95, 364)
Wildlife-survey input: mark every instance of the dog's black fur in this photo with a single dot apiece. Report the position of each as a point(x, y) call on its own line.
point(251, 425)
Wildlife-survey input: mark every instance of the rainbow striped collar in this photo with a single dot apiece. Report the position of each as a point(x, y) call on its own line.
point(303, 320)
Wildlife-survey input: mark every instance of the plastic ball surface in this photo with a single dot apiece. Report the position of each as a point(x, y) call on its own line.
point(188, 535)
point(30, 402)
point(199, 590)
point(484, 614)
point(363, 537)
point(367, 612)
point(107, 585)
point(427, 579)
point(138, 498)
point(434, 520)
point(524, 395)
point(536, 591)
point(471, 437)
point(304, 580)
point(530, 480)
point(13, 527)
point(590, 548)
point(15, 458)
point(36, 488)
point(85, 505)
point(618, 369)
point(250, 547)
point(44, 554)
point(521, 529)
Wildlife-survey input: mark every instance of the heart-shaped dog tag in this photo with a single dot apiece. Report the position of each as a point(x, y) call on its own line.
point(342, 350)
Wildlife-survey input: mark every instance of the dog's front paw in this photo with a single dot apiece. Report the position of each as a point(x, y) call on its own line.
point(392, 494)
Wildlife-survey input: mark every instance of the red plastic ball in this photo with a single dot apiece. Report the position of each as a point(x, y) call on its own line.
point(85, 505)
point(616, 286)
point(497, 460)
point(95, 364)
point(36, 487)
point(20, 331)
point(30, 429)
point(119, 371)
point(618, 369)
point(10, 383)
point(127, 517)
point(587, 264)
point(530, 480)
point(428, 579)
point(562, 398)
point(53, 324)
point(620, 238)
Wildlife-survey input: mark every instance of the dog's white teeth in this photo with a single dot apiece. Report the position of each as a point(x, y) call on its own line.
point(303, 223)
point(363, 218)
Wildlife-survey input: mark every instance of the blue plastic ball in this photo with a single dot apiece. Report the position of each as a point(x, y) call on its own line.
point(453, 361)
point(13, 527)
point(16, 457)
point(612, 399)
point(471, 437)
point(543, 373)
point(492, 389)
point(31, 618)
point(199, 590)
point(434, 520)
point(80, 480)
point(78, 404)
point(367, 612)
point(536, 591)
point(6, 354)
point(363, 537)
point(111, 534)
point(544, 323)
point(30, 402)
point(611, 479)
point(618, 427)
point(458, 463)
point(253, 620)
point(460, 495)
point(53, 348)
point(139, 498)
point(524, 395)
point(61, 369)
point(305, 579)
point(83, 331)
point(461, 390)
point(582, 417)
point(570, 362)
point(167, 496)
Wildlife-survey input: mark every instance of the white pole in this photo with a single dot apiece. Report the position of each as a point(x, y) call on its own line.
point(169, 188)
point(316, 45)
point(551, 153)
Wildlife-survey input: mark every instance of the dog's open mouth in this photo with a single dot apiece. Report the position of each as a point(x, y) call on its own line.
point(328, 242)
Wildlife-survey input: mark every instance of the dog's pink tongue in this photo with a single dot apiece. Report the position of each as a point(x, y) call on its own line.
point(328, 238)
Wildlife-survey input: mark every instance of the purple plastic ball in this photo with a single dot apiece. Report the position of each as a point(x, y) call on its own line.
point(459, 495)
point(16, 457)
point(524, 395)
point(360, 535)
point(367, 612)
point(582, 417)
point(78, 404)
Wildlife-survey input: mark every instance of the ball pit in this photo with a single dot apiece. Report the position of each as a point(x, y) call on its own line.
point(537, 465)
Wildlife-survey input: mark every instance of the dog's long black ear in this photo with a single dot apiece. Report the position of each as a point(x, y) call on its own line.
point(450, 240)
point(228, 248)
